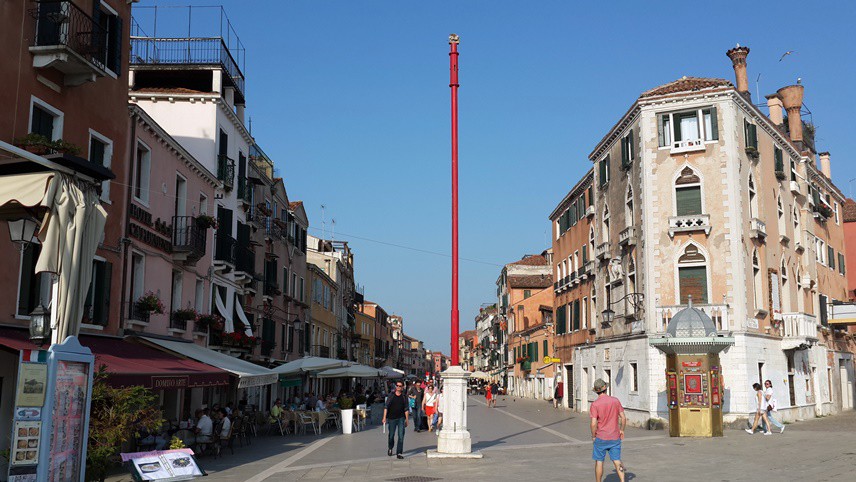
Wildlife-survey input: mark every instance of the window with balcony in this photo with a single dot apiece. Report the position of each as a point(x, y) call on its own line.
point(138, 276)
point(779, 162)
point(110, 41)
point(692, 275)
point(687, 129)
point(688, 198)
point(176, 290)
point(142, 173)
point(750, 137)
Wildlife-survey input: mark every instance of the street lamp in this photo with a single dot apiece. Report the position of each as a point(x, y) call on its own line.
point(635, 300)
point(40, 326)
point(526, 337)
point(22, 231)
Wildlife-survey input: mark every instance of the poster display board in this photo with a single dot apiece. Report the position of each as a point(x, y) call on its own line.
point(69, 406)
point(32, 384)
point(163, 465)
point(25, 443)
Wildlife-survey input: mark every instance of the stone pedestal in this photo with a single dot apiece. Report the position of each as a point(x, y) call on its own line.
point(454, 439)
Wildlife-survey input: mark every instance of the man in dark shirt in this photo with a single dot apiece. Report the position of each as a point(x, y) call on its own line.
point(396, 412)
point(417, 409)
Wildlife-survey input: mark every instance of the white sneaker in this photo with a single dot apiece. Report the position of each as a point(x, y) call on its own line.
point(782, 430)
point(749, 431)
point(768, 433)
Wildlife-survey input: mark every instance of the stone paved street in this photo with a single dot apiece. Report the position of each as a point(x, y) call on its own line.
point(522, 438)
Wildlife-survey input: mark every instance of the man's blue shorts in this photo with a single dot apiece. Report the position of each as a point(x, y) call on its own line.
point(601, 447)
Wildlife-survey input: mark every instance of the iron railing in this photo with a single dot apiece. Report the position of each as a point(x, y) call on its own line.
point(225, 247)
point(271, 288)
point(244, 189)
point(177, 323)
point(64, 23)
point(245, 260)
point(188, 237)
point(226, 171)
point(187, 51)
point(138, 314)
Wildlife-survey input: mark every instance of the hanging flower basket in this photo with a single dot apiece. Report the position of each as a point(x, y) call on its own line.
point(150, 303)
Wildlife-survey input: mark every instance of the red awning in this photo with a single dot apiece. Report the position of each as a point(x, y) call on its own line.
point(134, 364)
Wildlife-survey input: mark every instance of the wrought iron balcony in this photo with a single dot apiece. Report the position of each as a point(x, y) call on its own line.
point(209, 51)
point(188, 238)
point(226, 171)
point(689, 223)
point(244, 189)
point(225, 248)
point(245, 260)
point(68, 40)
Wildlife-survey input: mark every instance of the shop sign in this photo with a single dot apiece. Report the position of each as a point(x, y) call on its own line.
point(170, 383)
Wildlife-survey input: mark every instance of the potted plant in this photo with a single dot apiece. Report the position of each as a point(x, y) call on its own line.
point(205, 221)
point(211, 320)
point(35, 143)
point(150, 303)
point(184, 314)
point(65, 147)
point(346, 403)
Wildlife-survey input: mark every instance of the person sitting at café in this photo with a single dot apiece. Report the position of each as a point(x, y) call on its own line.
point(276, 411)
point(229, 408)
point(204, 427)
point(225, 424)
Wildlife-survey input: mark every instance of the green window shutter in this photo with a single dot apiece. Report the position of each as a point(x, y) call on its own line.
point(831, 256)
point(102, 310)
point(693, 282)
point(625, 156)
point(753, 131)
point(780, 161)
point(714, 125)
point(824, 320)
point(841, 263)
point(535, 350)
point(546, 351)
point(746, 132)
point(661, 129)
point(576, 315)
point(688, 200)
point(585, 253)
point(591, 196)
point(602, 172)
point(630, 146)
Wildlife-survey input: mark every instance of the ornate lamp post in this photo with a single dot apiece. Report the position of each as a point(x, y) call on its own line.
point(22, 231)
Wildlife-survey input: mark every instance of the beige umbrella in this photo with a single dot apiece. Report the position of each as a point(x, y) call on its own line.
point(69, 234)
point(478, 374)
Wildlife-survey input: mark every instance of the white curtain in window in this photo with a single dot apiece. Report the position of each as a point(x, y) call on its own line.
point(243, 317)
point(689, 128)
point(229, 325)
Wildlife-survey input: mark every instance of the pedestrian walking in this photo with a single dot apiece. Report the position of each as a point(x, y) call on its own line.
point(429, 406)
point(607, 430)
point(557, 396)
point(771, 406)
point(494, 393)
point(760, 411)
point(488, 396)
point(396, 412)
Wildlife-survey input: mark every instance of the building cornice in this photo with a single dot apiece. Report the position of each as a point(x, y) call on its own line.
point(153, 128)
point(616, 130)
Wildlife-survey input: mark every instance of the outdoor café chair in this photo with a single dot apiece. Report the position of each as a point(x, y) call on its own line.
point(226, 441)
point(304, 419)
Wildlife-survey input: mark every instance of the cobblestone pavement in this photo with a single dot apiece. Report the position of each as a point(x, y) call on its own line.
point(523, 438)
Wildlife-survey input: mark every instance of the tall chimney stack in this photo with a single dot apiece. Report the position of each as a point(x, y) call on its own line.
point(825, 166)
point(792, 97)
point(774, 103)
point(738, 59)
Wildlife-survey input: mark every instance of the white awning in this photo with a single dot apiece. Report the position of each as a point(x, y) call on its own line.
point(229, 325)
point(248, 328)
point(309, 364)
point(27, 190)
point(249, 374)
point(353, 371)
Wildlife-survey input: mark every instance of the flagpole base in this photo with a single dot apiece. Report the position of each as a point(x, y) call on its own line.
point(454, 439)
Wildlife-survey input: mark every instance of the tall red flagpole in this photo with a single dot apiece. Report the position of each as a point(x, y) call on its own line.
point(453, 83)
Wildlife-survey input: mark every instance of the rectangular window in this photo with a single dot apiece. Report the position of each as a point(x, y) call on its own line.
point(138, 275)
point(176, 290)
point(199, 302)
point(576, 315)
point(750, 134)
point(301, 290)
point(203, 204)
point(285, 280)
point(527, 294)
point(693, 282)
point(686, 126)
point(561, 321)
point(711, 124)
point(688, 200)
point(779, 161)
point(627, 150)
point(109, 44)
point(294, 285)
point(841, 264)
point(634, 377)
point(546, 351)
point(44, 122)
point(96, 308)
point(830, 255)
point(604, 170)
point(142, 173)
point(584, 314)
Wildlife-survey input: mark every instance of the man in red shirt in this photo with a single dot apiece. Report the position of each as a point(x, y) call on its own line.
point(607, 430)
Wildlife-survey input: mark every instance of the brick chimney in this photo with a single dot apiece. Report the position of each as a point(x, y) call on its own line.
point(792, 97)
point(774, 103)
point(738, 59)
point(825, 166)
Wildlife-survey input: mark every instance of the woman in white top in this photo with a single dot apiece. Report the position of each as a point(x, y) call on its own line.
point(770, 406)
point(429, 405)
point(320, 406)
point(760, 410)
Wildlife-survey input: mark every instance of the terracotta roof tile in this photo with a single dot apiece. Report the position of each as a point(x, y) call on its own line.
point(849, 210)
point(686, 84)
point(531, 260)
point(530, 281)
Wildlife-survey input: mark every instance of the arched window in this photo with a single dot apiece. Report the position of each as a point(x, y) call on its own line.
point(688, 198)
point(605, 223)
point(628, 207)
point(786, 289)
point(757, 281)
point(692, 275)
point(753, 198)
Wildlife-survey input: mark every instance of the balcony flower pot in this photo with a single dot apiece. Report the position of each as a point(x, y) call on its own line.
point(34, 143)
point(213, 321)
point(184, 314)
point(65, 147)
point(263, 209)
point(150, 303)
point(752, 152)
point(205, 221)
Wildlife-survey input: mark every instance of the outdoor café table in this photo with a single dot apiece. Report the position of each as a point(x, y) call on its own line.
point(317, 417)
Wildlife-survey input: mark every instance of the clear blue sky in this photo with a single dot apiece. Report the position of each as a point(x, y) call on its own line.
point(351, 99)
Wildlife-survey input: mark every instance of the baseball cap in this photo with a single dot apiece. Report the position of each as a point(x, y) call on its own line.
point(599, 385)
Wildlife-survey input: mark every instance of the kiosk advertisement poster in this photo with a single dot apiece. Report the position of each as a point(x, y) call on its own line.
point(25, 443)
point(32, 385)
point(71, 384)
